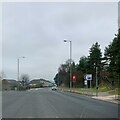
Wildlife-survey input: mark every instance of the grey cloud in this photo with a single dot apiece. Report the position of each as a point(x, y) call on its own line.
point(37, 30)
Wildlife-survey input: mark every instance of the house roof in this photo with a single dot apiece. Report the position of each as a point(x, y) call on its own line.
point(10, 81)
point(39, 81)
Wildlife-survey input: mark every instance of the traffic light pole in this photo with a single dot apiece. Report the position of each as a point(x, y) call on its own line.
point(96, 81)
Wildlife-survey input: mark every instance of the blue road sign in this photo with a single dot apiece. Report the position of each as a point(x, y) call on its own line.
point(89, 77)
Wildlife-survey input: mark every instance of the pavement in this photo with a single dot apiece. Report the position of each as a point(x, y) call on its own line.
point(45, 103)
point(109, 98)
point(104, 96)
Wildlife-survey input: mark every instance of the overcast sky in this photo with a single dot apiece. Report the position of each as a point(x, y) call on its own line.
point(37, 31)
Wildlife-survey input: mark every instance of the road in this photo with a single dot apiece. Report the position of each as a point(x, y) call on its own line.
point(0, 104)
point(45, 103)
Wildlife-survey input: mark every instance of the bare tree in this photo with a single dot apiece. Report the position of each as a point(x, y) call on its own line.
point(25, 79)
point(2, 75)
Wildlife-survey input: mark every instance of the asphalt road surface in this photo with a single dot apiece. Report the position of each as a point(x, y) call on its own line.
point(0, 104)
point(45, 103)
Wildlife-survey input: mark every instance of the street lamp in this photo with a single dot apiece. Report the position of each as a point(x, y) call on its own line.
point(65, 40)
point(18, 65)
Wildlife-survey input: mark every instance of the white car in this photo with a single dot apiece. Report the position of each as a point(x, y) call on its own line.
point(54, 88)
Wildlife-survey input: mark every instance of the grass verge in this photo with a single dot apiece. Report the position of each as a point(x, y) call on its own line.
point(101, 89)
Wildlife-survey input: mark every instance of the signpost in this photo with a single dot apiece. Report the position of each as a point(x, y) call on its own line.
point(88, 77)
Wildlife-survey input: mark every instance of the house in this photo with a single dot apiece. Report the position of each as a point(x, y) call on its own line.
point(14, 84)
point(5, 85)
point(0, 85)
point(10, 84)
point(35, 83)
point(40, 83)
point(46, 83)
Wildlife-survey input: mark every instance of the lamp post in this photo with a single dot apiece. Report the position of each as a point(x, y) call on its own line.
point(70, 60)
point(18, 60)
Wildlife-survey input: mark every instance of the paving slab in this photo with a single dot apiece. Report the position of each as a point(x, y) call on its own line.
point(109, 98)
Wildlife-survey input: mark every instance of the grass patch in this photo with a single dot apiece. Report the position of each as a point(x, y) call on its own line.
point(104, 89)
point(101, 89)
point(116, 92)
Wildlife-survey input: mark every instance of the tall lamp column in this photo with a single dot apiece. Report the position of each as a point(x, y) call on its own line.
point(70, 60)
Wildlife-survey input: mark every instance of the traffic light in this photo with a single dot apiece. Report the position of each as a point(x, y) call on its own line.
point(74, 78)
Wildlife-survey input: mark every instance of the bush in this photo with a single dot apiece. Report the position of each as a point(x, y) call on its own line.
point(21, 88)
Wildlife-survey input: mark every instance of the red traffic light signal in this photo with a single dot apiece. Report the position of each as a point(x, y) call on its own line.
point(74, 78)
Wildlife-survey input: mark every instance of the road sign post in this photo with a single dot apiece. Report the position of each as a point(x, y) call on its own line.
point(90, 83)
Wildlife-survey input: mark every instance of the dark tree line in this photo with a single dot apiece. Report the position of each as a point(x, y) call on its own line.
point(108, 66)
point(112, 55)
